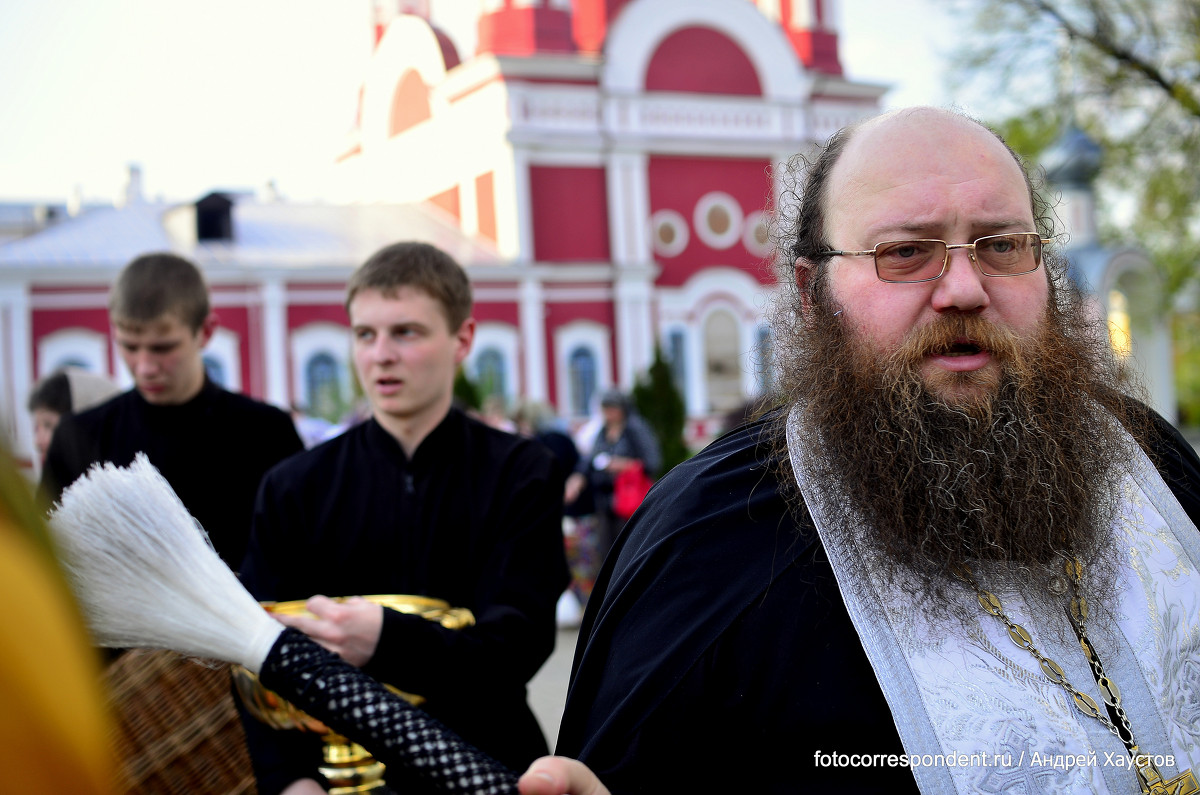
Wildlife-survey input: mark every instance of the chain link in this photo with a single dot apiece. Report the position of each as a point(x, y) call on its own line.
point(1149, 777)
point(1052, 670)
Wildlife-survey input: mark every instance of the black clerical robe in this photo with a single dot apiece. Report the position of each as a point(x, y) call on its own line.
point(213, 450)
point(473, 518)
point(716, 654)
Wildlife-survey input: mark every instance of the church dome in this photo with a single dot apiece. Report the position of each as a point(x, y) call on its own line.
point(1073, 160)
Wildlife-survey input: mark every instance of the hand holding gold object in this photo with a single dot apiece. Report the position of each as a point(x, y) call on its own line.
point(347, 765)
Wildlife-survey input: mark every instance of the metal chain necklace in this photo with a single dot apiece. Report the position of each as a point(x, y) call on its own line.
point(1149, 777)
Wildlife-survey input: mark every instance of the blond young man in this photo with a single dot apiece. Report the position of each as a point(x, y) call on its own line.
point(419, 499)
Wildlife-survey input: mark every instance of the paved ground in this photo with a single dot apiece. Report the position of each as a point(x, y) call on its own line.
point(548, 690)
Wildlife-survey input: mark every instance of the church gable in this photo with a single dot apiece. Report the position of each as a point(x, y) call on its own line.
point(701, 60)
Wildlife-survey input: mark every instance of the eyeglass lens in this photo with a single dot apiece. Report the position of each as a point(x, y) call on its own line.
point(921, 260)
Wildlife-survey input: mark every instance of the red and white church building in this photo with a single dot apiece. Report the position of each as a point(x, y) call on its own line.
point(604, 169)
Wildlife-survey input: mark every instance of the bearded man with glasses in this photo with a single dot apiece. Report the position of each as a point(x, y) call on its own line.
point(960, 555)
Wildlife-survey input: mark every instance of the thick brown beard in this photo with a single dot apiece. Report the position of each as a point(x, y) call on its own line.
point(1020, 468)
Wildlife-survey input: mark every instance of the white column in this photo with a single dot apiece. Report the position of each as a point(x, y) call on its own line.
point(274, 340)
point(16, 363)
point(514, 222)
point(1156, 353)
point(633, 293)
point(468, 207)
point(1077, 209)
point(628, 208)
point(533, 339)
point(633, 274)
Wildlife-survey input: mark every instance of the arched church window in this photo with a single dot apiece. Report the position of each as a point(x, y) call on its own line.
point(675, 353)
point(322, 385)
point(71, 361)
point(215, 370)
point(723, 376)
point(581, 370)
point(410, 103)
point(491, 373)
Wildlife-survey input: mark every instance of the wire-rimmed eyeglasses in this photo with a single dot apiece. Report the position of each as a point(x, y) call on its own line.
point(908, 261)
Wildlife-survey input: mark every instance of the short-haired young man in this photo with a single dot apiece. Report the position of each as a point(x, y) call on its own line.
point(419, 499)
point(213, 446)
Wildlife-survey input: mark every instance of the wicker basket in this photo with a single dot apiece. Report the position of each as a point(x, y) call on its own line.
point(176, 731)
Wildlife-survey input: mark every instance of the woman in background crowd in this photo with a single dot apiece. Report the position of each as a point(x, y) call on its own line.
point(65, 391)
point(623, 441)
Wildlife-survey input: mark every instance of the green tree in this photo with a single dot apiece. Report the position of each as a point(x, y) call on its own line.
point(659, 402)
point(466, 392)
point(1126, 72)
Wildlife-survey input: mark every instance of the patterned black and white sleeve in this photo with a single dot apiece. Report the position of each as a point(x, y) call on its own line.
point(397, 733)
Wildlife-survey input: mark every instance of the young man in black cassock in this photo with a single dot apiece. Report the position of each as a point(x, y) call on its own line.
point(213, 446)
point(419, 499)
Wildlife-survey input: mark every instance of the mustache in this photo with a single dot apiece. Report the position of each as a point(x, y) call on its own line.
point(956, 333)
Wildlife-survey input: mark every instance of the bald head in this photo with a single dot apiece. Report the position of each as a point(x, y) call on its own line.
point(894, 139)
point(914, 172)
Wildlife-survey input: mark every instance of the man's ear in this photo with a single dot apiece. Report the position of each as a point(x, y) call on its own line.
point(465, 336)
point(804, 272)
point(207, 328)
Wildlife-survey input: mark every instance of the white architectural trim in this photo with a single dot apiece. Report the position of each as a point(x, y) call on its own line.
point(679, 227)
point(750, 226)
point(574, 295)
point(749, 295)
point(747, 339)
point(505, 339)
point(496, 295)
point(711, 237)
point(83, 299)
point(15, 363)
point(318, 297)
point(468, 207)
point(554, 110)
point(513, 205)
point(770, 9)
point(693, 376)
point(274, 340)
point(628, 185)
point(408, 43)
point(586, 334)
point(688, 307)
point(1130, 272)
point(826, 116)
point(480, 70)
point(82, 345)
point(532, 314)
point(311, 340)
point(1122, 262)
point(225, 347)
point(633, 305)
point(643, 24)
point(834, 15)
point(567, 158)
